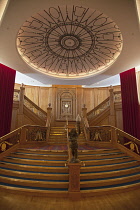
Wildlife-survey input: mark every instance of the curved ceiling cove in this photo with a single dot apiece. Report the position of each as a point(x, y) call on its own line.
point(69, 41)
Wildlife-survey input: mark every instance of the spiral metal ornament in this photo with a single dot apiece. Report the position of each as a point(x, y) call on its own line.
point(69, 41)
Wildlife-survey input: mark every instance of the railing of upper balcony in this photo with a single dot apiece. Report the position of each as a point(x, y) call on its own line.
point(34, 108)
point(24, 100)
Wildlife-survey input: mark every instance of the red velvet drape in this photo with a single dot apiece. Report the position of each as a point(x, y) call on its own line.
point(130, 105)
point(7, 80)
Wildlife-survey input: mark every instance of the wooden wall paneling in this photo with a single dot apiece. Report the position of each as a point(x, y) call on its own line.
point(14, 119)
point(28, 121)
point(79, 101)
point(32, 92)
point(44, 97)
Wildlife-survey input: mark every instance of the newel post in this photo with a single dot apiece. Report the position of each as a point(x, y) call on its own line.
point(21, 105)
point(113, 135)
point(74, 180)
point(23, 135)
point(49, 113)
point(48, 122)
point(84, 114)
point(112, 120)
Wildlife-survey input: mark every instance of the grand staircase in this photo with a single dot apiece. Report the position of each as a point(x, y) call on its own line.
point(43, 171)
point(36, 171)
point(108, 170)
point(58, 135)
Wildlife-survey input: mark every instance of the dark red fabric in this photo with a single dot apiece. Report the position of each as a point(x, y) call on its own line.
point(7, 80)
point(130, 105)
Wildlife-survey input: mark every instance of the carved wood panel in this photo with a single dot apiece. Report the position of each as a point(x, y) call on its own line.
point(66, 103)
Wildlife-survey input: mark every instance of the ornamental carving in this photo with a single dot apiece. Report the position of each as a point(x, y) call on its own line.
point(69, 41)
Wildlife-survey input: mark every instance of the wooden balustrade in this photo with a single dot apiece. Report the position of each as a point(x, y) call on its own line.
point(34, 108)
point(98, 109)
point(22, 135)
point(116, 137)
point(19, 95)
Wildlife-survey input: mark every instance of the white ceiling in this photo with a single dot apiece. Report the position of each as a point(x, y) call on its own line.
point(123, 12)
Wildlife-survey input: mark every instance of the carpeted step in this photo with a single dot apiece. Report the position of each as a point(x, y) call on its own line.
point(35, 161)
point(39, 156)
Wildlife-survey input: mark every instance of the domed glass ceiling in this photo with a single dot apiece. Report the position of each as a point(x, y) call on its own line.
point(69, 41)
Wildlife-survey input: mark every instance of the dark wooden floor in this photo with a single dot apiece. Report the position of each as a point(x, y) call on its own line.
point(122, 201)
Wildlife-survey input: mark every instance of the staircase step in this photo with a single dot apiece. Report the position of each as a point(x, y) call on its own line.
point(38, 168)
point(109, 167)
point(39, 156)
point(34, 182)
point(107, 161)
point(42, 151)
point(35, 161)
point(111, 173)
point(112, 181)
point(34, 174)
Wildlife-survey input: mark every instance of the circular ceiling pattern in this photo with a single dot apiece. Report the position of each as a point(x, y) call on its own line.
point(69, 41)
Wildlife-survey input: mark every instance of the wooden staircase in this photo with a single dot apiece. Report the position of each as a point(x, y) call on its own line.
point(44, 172)
point(108, 170)
point(58, 135)
point(36, 171)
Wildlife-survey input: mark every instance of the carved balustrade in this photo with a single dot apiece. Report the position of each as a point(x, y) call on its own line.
point(36, 133)
point(117, 96)
point(128, 141)
point(22, 135)
point(34, 108)
point(98, 109)
point(16, 95)
point(9, 140)
point(100, 133)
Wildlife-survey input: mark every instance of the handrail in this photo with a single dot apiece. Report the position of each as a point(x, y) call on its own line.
point(117, 136)
point(22, 135)
point(34, 108)
point(68, 143)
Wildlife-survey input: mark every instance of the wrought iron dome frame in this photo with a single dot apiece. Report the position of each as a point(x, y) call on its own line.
point(69, 42)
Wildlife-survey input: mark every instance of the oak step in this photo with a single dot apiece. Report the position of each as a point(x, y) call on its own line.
point(39, 156)
point(34, 182)
point(16, 166)
point(112, 181)
point(35, 161)
point(111, 173)
point(35, 174)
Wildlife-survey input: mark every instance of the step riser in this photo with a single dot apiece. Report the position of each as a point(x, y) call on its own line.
point(36, 162)
point(99, 156)
point(35, 168)
point(45, 152)
point(30, 183)
point(108, 182)
point(34, 175)
point(39, 157)
point(102, 162)
point(108, 167)
point(109, 174)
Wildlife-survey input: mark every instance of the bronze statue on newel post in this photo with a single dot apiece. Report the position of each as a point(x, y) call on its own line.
point(73, 136)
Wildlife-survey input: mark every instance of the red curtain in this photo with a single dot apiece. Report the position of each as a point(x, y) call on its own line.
point(130, 105)
point(7, 80)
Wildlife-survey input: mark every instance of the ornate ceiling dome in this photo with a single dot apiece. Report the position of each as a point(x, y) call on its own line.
point(69, 41)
